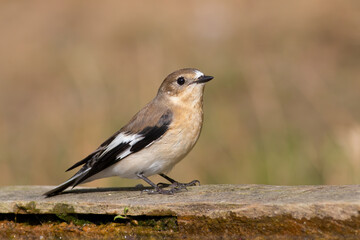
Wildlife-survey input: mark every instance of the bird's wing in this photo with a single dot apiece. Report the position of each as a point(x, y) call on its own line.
point(143, 130)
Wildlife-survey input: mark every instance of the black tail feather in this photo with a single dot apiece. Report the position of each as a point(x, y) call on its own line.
point(59, 188)
point(71, 182)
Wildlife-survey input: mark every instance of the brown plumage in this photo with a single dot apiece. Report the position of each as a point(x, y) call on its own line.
point(154, 140)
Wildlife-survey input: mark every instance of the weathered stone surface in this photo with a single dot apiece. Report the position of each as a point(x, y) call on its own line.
point(237, 210)
point(252, 201)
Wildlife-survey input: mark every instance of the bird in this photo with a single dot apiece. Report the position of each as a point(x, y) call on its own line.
point(154, 140)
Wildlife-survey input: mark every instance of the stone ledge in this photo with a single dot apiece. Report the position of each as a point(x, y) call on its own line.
point(243, 210)
point(214, 201)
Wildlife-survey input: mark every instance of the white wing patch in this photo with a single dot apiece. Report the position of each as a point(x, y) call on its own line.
point(124, 154)
point(123, 138)
point(127, 151)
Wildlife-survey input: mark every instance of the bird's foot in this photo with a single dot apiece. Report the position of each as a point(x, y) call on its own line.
point(179, 186)
point(175, 186)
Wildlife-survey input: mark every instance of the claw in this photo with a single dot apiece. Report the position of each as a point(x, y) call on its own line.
point(159, 188)
point(193, 183)
point(177, 187)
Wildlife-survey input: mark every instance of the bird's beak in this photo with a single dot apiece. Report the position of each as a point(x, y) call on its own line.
point(203, 79)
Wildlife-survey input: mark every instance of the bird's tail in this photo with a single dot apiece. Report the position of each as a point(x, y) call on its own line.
point(73, 181)
point(60, 188)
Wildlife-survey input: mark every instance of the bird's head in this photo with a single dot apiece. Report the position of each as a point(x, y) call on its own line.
point(184, 85)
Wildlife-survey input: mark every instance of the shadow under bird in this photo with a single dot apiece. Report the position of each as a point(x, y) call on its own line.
point(155, 139)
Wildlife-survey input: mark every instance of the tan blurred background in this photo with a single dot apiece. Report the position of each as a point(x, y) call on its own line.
point(284, 107)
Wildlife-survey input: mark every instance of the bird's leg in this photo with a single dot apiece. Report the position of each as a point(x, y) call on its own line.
point(162, 185)
point(156, 189)
point(176, 186)
point(167, 178)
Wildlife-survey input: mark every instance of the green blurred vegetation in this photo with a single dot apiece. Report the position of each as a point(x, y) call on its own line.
point(284, 107)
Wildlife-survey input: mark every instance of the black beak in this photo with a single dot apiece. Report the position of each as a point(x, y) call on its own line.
point(203, 79)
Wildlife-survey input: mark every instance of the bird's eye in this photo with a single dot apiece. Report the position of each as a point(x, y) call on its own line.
point(181, 80)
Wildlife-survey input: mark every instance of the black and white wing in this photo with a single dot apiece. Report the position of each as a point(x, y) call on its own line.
point(116, 148)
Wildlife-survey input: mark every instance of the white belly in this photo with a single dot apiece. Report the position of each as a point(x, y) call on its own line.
point(160, 156)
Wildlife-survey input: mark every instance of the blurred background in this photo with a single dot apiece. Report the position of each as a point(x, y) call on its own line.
point(284, 107)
